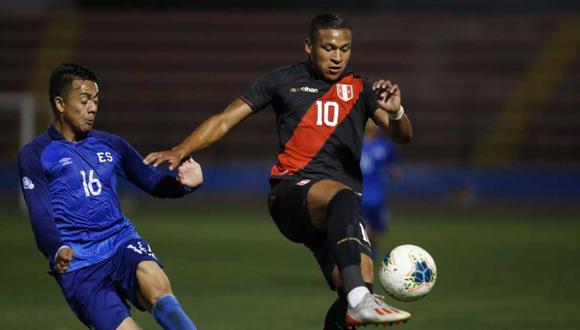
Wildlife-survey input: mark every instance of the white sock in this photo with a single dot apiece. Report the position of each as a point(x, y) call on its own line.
point(355, 296)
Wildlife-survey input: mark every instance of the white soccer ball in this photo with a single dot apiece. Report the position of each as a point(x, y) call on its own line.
point(407, 272)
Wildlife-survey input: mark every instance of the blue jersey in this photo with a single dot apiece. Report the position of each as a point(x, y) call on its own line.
point(377, 155)
point(70, 191)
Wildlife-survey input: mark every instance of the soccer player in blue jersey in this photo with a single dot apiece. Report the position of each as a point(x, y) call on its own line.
point(69, 178)
point(379, 163)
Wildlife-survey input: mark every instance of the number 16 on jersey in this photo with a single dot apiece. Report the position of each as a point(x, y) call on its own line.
point(91, 184)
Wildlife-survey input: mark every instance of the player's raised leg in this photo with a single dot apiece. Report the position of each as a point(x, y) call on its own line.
point(156, 296)
point(334, 207)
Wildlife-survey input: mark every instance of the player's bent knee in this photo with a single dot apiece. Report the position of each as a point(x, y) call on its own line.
point(322, 192)
point(319, 197)
point(153, 282)
point(342, 207)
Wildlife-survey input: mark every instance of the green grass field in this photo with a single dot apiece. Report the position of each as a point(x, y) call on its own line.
point(233, 270)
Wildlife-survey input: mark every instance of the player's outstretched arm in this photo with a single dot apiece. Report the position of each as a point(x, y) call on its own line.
point(210, 131)
point(390, 115)
point(189, 174)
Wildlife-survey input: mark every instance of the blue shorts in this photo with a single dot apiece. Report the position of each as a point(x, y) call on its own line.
point(97, 294)
point(376, 216)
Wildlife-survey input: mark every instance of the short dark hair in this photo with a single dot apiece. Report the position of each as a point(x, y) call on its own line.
point(62, 77)
point(326, 21)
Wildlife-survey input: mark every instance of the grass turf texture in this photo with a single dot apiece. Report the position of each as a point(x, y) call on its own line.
point(233, 270)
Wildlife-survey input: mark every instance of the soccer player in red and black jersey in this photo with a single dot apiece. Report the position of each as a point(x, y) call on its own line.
point(321, 109)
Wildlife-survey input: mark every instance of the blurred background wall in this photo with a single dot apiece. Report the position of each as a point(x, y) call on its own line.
point(492, 87)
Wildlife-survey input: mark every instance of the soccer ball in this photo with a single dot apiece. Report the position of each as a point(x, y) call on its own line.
point(407, 272)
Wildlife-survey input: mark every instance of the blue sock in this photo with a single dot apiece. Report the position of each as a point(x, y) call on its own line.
point(168, 313)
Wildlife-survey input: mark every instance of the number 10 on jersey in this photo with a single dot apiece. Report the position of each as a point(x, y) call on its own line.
point(327, 113)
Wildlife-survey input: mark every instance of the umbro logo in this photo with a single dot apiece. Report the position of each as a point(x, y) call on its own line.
point(304, 89)
point(27, 183)
point(65, 161)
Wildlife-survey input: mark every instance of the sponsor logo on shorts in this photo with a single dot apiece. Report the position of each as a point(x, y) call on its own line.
point(303, 182)
point(141, 248)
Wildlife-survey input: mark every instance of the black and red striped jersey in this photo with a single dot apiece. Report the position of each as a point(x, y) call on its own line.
point(320, 125)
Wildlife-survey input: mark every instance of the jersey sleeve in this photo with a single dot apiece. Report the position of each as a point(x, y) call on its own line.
point(370, 98)
point(34, 185)
point(147, 178)
point(261, 93)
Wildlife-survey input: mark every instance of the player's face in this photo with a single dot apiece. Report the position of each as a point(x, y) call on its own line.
point(79, 107)
point(330, 52)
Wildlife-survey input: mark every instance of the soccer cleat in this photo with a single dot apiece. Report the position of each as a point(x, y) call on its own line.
point(373, 310)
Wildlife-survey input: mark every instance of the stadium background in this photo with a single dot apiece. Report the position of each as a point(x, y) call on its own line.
point(491, 182)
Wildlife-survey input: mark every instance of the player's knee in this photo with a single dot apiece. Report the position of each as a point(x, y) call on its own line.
point(161, 285)
point(341, 208)
point(346, 236)
point(319, 198)
point(344, 196)
point(153, 282)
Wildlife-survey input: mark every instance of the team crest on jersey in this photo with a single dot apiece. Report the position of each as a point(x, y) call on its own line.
point(345, 92)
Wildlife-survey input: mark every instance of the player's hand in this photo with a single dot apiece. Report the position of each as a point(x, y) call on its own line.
point(189, 174)
point(173, 157)
point(388, 94)
point(62, 261)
